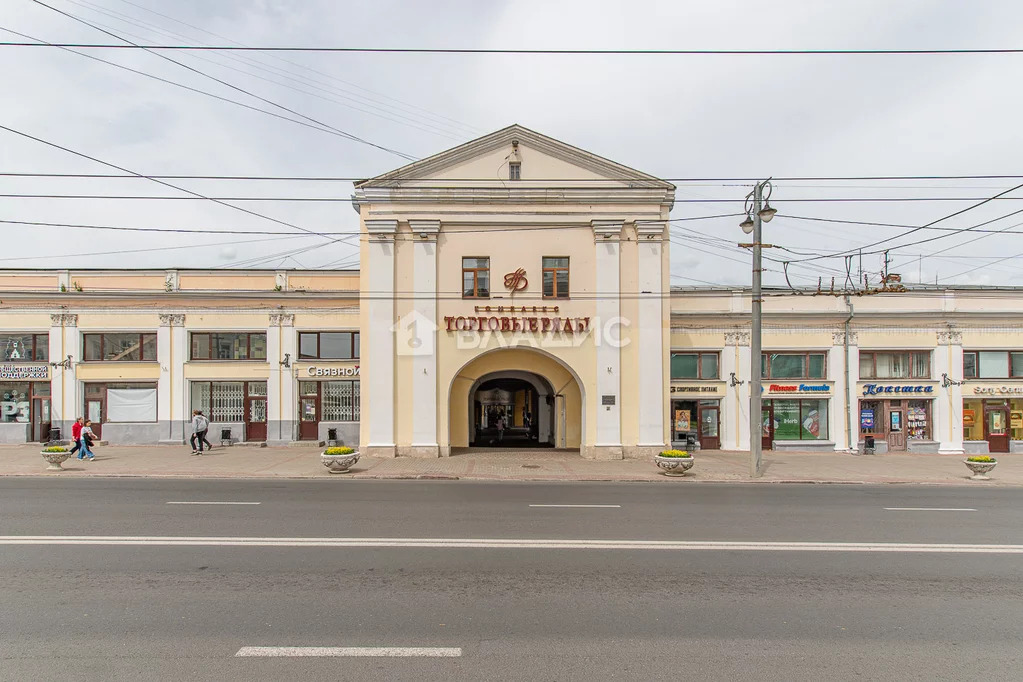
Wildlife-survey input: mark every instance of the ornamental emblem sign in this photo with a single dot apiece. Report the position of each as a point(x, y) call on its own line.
point(516, 281)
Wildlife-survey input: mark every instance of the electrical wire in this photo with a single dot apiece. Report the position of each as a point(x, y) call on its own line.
point(350, 136)
point(526, 51)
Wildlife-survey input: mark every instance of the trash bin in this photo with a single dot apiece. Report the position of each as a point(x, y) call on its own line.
point(868, 445)
point(331, 437)
point(690, 441)
point(54, 435)
point(225, 436)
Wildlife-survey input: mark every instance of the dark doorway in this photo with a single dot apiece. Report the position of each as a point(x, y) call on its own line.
point(507, 413)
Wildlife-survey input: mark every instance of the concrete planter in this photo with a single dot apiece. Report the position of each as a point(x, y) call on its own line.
point(339, 464)
point(55, 459)
point(979, 469)
point(674, 466)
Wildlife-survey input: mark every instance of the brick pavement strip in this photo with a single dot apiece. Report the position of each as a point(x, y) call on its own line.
point(243, 461)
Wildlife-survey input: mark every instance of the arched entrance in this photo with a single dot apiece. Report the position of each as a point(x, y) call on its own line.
point(540, 398)
point(512, 409)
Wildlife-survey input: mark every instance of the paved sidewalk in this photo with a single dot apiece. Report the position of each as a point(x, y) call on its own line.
point(243, 461)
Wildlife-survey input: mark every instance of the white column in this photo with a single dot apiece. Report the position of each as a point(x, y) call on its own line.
point(377, 405)
point(948, 403)
point(423, 325)
point(843, 412)
point(171, 353)
point(735, 406)
point(651, 336)
point(607, 235)
point(64, 341)
point(281, 401)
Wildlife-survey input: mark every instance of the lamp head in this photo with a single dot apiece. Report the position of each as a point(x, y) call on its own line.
point(766, 213)
point(747, 225)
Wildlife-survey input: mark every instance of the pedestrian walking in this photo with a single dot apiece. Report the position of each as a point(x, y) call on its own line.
point(200, 425)
point(87, 439)
point(76, 436)
point(500, 429)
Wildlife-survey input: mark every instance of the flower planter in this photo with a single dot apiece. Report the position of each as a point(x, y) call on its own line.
point(55, 459)
point(339, 464)
point(674, 466)
point(979, 469)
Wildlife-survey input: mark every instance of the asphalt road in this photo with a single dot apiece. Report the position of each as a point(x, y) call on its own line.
point(117, 611)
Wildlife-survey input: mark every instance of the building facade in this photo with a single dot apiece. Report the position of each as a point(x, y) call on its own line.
point(512, 291)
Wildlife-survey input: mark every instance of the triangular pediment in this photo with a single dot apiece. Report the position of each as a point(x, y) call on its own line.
point(543, 160)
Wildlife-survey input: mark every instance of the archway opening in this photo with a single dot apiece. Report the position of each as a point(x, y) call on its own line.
point(512, 409)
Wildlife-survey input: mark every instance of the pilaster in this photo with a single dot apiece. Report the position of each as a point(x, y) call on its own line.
point(607, 400)
point(843, 422)
point(735, 359)
point(281, 342)
point(650, 335)
point(378, 348)
point(948, 424)
point(65, 353)
point(423, 328)
point(172, 407)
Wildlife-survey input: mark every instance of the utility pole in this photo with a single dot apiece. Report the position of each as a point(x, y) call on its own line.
point(756, 410)
point(756, 214)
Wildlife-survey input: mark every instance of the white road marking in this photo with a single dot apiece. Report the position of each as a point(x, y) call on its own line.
point(929, 509)
point(580, 506)
point(500, 543)
point(214, 503)
point(392, 651)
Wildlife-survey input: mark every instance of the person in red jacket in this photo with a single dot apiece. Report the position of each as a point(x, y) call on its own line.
point(76, 436)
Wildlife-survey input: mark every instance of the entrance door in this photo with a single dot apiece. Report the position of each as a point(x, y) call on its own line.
point(309, 410)
point(896, 429)
point(255, 412)
point(94, 410)
point(709, 437)
point(41, 419)
point(767, 427)
point(997, 429)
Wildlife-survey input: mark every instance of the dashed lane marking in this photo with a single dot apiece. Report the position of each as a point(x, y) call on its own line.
point(357, 651)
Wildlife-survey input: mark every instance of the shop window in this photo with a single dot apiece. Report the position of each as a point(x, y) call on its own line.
point(328, 345)
point(340, 401)
point(800, 419)
point(555, 277)
point(15, 402)
point(694, 365)
point(895, 365)
point(475, 278)
point(25, 347)
point(119, 347)
point(793, 366)
point(224, 401)
point(228, 346)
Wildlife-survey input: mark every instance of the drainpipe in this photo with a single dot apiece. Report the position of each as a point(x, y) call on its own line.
point(848, 389)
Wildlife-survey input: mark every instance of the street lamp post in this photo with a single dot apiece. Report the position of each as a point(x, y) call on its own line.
point(758, 211)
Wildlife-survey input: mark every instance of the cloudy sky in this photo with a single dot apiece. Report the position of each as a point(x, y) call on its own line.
point(673, 116)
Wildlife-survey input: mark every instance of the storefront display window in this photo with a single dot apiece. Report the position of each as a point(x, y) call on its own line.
point(220, 401)
point(14, 406)
point(340, 401)
point(799, 419)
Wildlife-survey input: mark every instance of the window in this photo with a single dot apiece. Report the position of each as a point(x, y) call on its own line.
point(121, 402)
point(999, 364)
point(25, 347)
point(229, 346)
point(895, 365)
point(694, 365)
point(793, 366)
point(223, 402)
point(120, 347)
point(800, 419)
point(555, 277)
point(475, 278)
point(515, 170)
point(328, 345)
point(340, 401)
point(15, 402)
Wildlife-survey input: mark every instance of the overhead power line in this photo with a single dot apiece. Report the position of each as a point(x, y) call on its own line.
point(199, 72)
point(853, 200)
point(360, 178)
point(527, 51)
